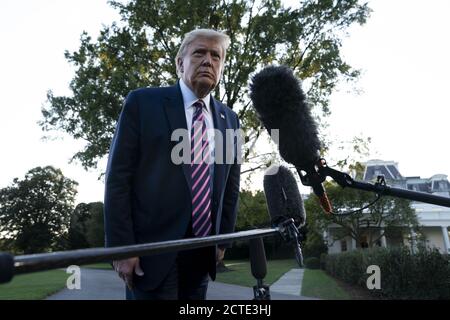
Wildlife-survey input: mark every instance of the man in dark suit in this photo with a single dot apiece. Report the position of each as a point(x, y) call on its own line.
point(150, 196)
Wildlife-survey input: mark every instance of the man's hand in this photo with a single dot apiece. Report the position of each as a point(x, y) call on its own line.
point(220, 255)
point(125, 269)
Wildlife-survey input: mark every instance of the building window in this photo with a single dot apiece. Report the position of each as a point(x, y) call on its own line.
point(364, 242)
point(343, 245)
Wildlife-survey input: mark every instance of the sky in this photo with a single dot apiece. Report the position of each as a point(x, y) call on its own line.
point(403, 52)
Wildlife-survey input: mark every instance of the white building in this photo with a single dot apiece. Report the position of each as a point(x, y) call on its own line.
point(434, 220)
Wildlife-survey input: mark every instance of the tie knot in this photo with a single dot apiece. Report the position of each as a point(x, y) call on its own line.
point(199, 104)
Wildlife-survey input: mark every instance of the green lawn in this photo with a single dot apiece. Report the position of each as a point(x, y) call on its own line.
point(317, 284)
point(34, 286)
point(241, 272)
point(103, 266)
point(39, 285)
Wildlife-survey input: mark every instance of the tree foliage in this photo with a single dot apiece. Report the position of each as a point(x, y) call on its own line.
point(313, 245)
point(86, 226)
point(387, 213)
point(140, 51)
point(35, 211)
point(252, 211)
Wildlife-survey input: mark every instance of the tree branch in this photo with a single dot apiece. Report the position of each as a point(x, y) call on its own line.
point(252, 169)
point(260, 155)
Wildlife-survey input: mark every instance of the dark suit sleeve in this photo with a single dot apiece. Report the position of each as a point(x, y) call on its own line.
point(231, 196)
point(122, 162)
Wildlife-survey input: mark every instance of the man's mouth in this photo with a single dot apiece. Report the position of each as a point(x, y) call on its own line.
point(205, 73)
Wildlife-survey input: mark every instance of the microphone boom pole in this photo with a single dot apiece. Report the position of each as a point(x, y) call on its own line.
point(14, 265)
point(345, 180)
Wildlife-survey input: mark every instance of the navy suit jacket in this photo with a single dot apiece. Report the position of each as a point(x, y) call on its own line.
point(147, 196)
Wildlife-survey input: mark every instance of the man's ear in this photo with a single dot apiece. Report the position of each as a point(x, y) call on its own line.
point(180, 64)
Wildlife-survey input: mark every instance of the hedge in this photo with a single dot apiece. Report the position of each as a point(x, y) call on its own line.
point(312, 263)
point(423, 275)
point(275, 248)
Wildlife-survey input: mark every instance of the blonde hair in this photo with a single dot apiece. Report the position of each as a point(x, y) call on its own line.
point(222, 38)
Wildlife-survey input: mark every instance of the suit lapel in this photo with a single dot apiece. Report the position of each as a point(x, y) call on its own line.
point(219, 168)
point(176, 115)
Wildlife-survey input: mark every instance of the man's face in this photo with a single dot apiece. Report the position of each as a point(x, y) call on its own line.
point(201, 65)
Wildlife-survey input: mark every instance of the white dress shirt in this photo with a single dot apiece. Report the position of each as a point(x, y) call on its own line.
point(189, 98)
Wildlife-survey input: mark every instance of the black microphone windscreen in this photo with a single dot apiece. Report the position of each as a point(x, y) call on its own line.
point(283, 197)
point(258, 260)
point(6, 267)
point(280, 103)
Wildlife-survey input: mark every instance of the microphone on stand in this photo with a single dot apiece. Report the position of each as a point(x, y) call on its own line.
point(258, 265)
point(285, 205)
point(280, 103)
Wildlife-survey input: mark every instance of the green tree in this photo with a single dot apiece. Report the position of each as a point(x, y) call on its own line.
point(78, 226)
point(313, 245)
point(252, 210)
point(96, 232)
point(86, 226)
point(35, 211)
point(140, 51)
point(387, 213)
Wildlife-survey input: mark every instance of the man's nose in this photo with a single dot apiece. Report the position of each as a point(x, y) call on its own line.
point(207, 61)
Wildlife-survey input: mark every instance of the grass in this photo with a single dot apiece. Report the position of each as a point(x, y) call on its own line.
point(39, 285)
point(34, 286)
point(317, 284)
point(102, 266)
point(241, 274)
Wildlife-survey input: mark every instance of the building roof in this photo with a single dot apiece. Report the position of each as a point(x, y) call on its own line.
point(437, 184)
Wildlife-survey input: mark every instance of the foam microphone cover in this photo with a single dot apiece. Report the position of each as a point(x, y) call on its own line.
point(258, 260)
point(283, 197)
point(280, 103)
point(6, 267)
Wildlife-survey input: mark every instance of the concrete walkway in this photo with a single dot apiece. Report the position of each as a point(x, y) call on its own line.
point(96, 284)
point(289, 283)
point(106, 285)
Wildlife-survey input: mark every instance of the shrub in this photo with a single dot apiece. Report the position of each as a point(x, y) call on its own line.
point(323, 259)
point(312, 263)
point(424, 275)
point(275, 249)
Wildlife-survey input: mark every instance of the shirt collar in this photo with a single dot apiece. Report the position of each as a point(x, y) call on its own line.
point(189, 97)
